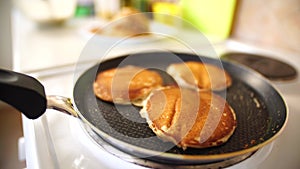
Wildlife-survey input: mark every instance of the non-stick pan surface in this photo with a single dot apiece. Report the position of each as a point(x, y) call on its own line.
point(260, 110)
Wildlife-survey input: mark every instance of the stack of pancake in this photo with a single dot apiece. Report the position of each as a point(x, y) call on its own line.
point(127, 22)
point(189, 114)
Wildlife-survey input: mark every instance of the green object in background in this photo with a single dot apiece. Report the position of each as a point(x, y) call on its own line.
point(84, 8)
point(141, 5)
point(83, 11)
point(212, 17)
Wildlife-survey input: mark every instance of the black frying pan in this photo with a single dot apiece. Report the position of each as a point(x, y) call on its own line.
point(261, 112)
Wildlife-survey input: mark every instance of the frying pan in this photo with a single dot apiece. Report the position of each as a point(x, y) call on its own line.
point(260, 110)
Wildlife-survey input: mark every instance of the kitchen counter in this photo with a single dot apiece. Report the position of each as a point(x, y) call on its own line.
point(37, 48)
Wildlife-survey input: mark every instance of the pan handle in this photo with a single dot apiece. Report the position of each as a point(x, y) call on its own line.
point(62, 104)
point(23, 92)
point(27, 94)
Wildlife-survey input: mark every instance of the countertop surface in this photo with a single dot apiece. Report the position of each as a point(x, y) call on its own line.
point(41, 47)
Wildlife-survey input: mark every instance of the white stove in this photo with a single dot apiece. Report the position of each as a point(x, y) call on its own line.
point(56, 140)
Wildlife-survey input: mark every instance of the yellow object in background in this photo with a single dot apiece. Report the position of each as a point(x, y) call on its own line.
point(211, 17)
point(167, 8)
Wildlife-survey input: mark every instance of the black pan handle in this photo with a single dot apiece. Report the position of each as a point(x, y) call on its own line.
point(23, 92)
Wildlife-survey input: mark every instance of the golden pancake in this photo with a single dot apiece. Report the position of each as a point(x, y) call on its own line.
point(127, 22)
point(199, 75)
point(189, 118)
point(126, 85)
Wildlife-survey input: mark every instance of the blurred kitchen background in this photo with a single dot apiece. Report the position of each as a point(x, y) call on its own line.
point(29, 36)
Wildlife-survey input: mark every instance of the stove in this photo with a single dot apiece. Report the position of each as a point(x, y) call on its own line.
point(56, 140)
point(268, 66)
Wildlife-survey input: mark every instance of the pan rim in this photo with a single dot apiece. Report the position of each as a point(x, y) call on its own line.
point(171, 156)
point(187, 159)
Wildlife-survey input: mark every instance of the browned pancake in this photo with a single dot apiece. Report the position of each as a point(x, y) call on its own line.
point(127, 22)
point(199, 75)
point(189, 118)
point(126, 85)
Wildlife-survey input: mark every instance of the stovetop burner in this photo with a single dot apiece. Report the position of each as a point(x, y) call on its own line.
point(269, 67)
